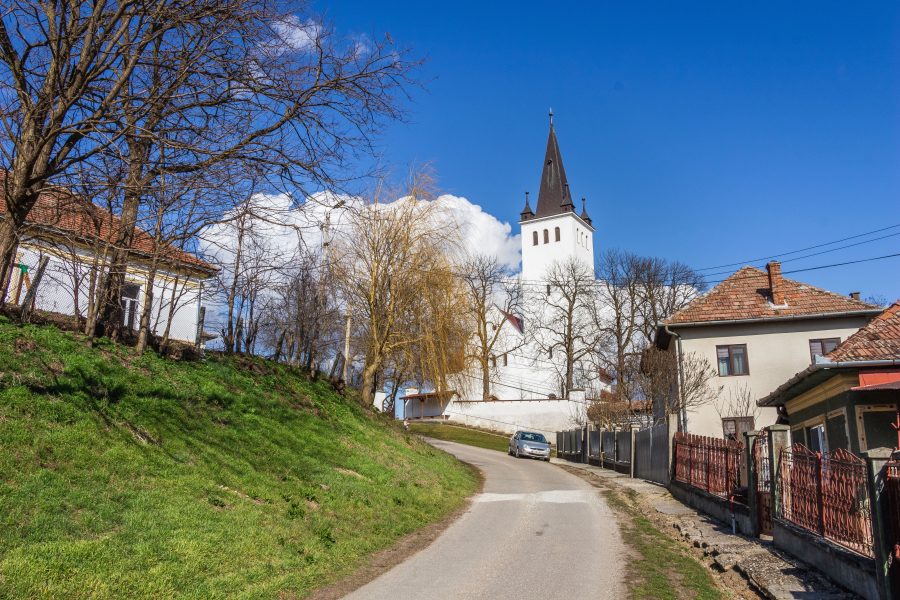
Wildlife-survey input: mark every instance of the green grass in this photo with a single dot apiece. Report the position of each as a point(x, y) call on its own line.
point(463, 435)
point(660, 568)
point(127, 476)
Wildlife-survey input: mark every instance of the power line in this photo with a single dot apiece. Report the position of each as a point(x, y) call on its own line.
point(753, 260)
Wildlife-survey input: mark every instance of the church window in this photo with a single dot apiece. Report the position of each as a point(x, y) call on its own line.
point(546, 237)
point(534, 237)
point(557, 234)
point(505, 360)
point(548, 289)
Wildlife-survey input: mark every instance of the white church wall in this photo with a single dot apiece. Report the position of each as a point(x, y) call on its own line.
point(509, 416)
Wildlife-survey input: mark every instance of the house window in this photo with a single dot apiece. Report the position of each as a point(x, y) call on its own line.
point(546, 237)
point(130, 292)
point(557, 234)
point(534, 237)
point(815, 438)
point(733, 428)
point(732, 360)
point(873, 425)
point(821, 347)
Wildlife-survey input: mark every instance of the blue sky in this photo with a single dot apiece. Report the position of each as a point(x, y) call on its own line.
point(708, 132)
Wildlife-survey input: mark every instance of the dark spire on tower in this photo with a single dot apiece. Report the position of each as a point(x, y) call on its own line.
point(584, 215)
point(554, 197)
point(527, 213)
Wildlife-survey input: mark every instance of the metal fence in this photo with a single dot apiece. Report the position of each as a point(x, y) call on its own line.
point(568, 443)
point(594, 445)
point(827, 494)
point(709, 464)
point(651, 454)
point(608, 446)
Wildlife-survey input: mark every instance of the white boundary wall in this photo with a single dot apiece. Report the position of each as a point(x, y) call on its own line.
point(542, 416)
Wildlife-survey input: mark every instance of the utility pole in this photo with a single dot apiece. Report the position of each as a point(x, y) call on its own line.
point(347, 346)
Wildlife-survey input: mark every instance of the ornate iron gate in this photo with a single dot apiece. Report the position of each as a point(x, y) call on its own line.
point(892, 489)
point(763, 483)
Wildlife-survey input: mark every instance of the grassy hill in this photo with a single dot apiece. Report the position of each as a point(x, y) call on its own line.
point(127, 476)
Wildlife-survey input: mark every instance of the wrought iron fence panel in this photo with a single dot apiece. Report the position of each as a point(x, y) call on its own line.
point(892, 518)
point(709, 464)
point(827, 495)
point(763, 482)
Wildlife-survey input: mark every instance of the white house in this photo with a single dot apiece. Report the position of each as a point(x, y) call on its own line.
point(756, 329)
point(74, 234)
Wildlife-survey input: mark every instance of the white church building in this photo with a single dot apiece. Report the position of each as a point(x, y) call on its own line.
point(526, 381)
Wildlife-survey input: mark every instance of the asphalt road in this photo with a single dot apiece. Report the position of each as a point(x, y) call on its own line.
point(535, 532)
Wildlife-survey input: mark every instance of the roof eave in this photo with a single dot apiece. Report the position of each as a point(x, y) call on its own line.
point(773, 319)
point(791, 388)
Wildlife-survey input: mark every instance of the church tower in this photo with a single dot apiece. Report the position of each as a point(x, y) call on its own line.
point(554, 231)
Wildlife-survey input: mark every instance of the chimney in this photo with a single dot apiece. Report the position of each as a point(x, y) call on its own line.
point(776, 286)
point(854, 295)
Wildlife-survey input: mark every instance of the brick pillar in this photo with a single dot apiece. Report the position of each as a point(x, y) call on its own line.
point(779, 439)
point(875, 460)
point(752, 487)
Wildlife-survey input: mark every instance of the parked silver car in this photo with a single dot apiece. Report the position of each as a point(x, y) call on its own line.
point(529, 444)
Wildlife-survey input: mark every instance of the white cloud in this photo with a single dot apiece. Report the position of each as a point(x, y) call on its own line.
point(483, 232)
point(297, 34)
point(282, 230)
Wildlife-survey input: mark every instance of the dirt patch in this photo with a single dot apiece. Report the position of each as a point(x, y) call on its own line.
point(385, 560)
point(349, 472)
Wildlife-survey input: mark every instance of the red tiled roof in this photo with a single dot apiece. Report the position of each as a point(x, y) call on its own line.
point(746, 295)
point(879, 340)
point(60, 210)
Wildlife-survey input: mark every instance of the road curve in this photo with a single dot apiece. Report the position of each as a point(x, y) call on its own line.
point(535, 532)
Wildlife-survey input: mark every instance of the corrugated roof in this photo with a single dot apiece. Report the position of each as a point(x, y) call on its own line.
point(746, 295)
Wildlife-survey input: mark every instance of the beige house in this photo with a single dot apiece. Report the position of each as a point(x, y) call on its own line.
point(756, 329)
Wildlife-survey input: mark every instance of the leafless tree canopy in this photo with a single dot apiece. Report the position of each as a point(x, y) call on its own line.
point(162, 105)
point(492, 299)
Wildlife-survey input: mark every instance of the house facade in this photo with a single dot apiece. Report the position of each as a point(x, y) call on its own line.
point(75, 236)
point(849, 398)
point(754, 330)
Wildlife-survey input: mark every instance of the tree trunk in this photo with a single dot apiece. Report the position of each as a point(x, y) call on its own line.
point(367, 394)
point(146, 312)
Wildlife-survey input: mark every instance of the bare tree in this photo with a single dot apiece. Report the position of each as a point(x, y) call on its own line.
point(493, 298)
point(616, 313)
point(677, 384)
point(62, 72)
point(739, 402)
point(564, 331)
point(664, 288)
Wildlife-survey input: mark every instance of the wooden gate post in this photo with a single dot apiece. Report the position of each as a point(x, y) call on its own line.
point(875, 471)
point(779, 439)
point(752, 475)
